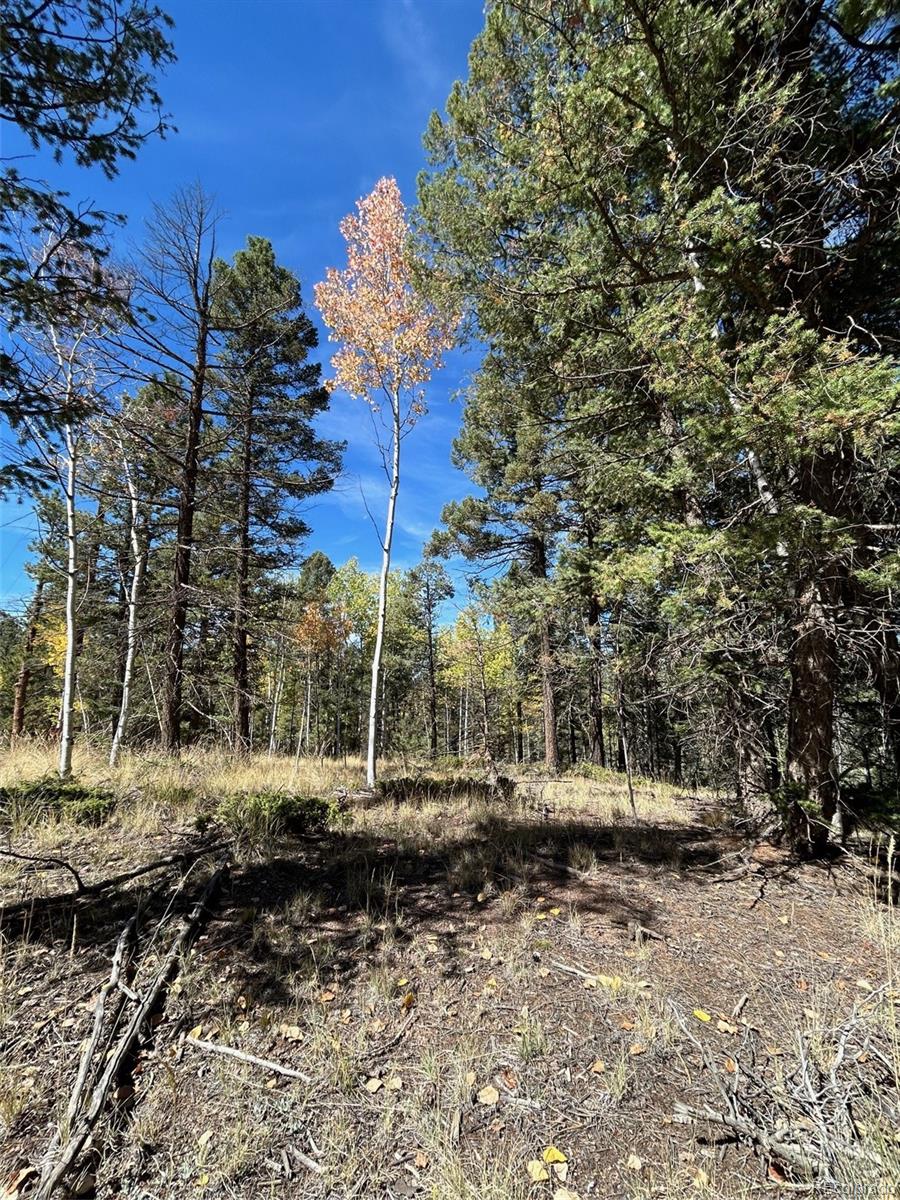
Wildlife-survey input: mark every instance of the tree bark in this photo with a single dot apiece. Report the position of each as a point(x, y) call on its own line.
point(810, 740)
point(241, 666)
point(432, 681)
point(551, 739)
point(20, 697)
point(181, 575)
point(371, 755)
point(597, 748)
point(139, 555)
point(67, 707)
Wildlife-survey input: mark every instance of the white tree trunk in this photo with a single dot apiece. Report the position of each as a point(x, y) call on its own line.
point(66, 732)
point(139, 556)
point(382, 590)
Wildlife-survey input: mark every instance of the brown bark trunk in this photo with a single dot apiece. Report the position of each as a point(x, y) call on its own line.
point(20, 697)
point(241, 666)
point(596, 745)
point(181, 575)
point(810, 767)
point(432, 690)
point(551, 740)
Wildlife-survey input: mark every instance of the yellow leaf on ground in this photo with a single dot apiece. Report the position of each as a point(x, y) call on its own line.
point(327, 996)
point(195, 1032)
point(702, 1015)
point(487, 954)
point(394, 1084)
point(470, 1078)
point(598, 1066)
point(726, 1027)
point(565, 1194)
point(373, 1085)
point(552, 1155)
point(633, 1162)
point(408, 1000)
point(204, 1138)
point(537, 1172)
point(543, 972)
point(555, 911)
point(636, 1048)
point(488, 1095)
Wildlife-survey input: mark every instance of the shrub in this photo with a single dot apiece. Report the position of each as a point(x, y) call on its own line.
point(254, 817)
point(25, 803)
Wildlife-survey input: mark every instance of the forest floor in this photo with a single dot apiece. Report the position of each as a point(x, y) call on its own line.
point(487, 1000)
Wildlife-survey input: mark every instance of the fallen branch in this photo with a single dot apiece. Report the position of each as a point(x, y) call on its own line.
point(88, 891)
point(242, 1056)
point(80, 1126)
point(785, 1152)
point(389, 1043)
point(47, 864)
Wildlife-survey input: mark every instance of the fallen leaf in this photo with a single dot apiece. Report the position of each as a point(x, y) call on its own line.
point(510, 1078)
point(293, 1033)
point(421, 1160)
point(373, 1085)
point(537, 1172)
point(543, 972)
point(408, 1000)
point(801, 985)
point(565, 1194)
point(327, 996)
point(783, 919)
point(598, 1066)
point(195, 1032)
point(487, 954)
point(702, 1015)
point(394, 1084)
point(203, 1180)
point(402, 982)
point(470, 1078)
point(204, 1139)
point(626, 1023)
point(633, 1162)
point(561, 1171)
point(636, 1049)
point(488, 1095)
point(555, 911)
point(552, 1155)
point(730, 1066)
point(726, 1027)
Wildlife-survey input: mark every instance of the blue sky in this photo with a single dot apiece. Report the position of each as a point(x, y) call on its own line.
point(288, 111)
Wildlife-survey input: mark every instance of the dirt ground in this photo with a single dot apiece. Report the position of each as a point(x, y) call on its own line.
point(485, 1000)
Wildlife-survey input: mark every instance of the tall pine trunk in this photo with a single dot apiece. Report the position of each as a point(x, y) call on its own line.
point(242, 576)
point(596, 747)
point(181, 575)
point(810, 765)
point(371, 750)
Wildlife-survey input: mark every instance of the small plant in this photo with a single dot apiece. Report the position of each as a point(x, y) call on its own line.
point(49, 798)
point(256, 817)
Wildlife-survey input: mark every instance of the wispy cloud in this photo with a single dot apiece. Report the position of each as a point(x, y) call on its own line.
point(411, 43)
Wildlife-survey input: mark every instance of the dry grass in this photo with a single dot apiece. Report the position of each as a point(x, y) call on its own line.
point(433, 930)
